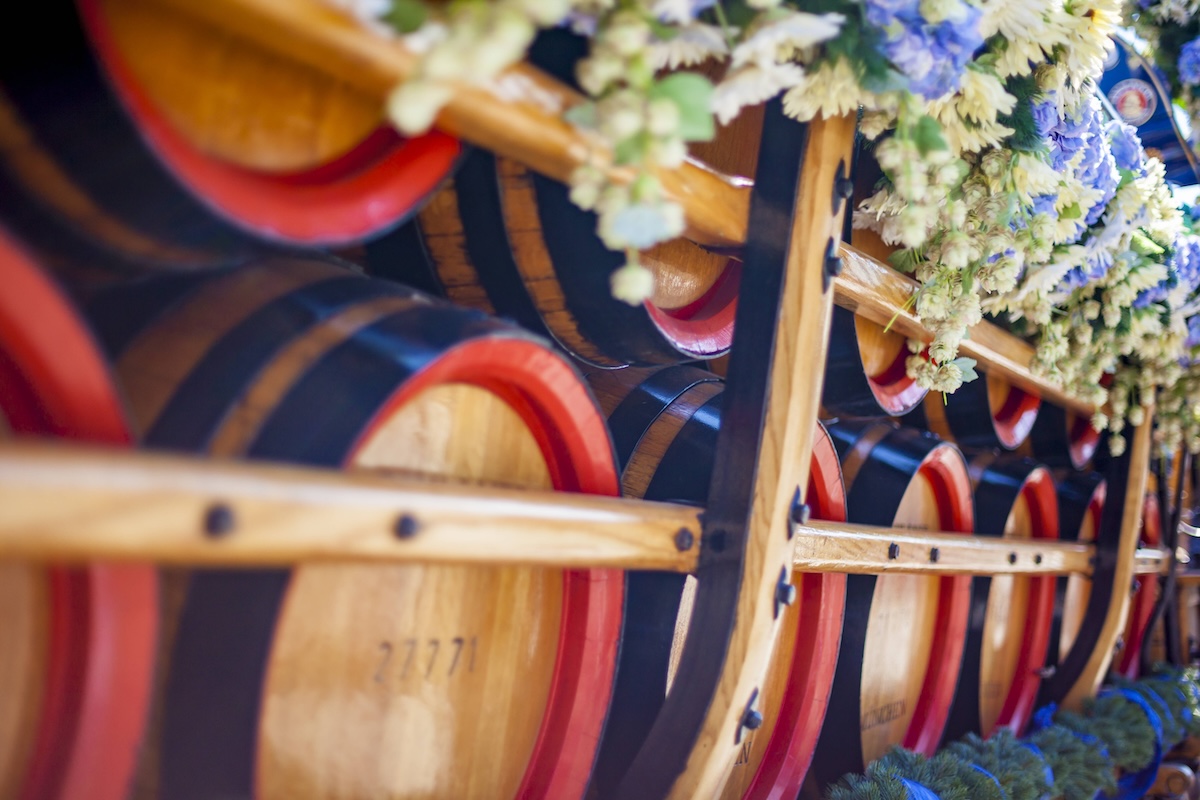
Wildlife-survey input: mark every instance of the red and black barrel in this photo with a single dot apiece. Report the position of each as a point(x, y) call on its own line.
point(903, 637)
point(369, 680)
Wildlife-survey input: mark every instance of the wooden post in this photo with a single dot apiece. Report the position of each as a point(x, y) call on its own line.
point(1089, 679)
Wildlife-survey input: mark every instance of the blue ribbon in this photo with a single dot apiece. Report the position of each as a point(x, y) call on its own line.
point(1161, 709)
point(999, 788)
point(918, 792)
point(1037, 751)
point(1044, 718)
point(1136, 784)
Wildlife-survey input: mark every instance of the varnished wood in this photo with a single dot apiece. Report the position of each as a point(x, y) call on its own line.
point(528, 129)
point(1004, 628)
point(879, 293)
point(73, 504)
point(1114, 621)
point(783, 459)
point(1150, 561)
point(327, 684)
point(1173, 782)
point(236, 101)
point(24, 630)
point(1079, 589)
point(863, 549)
point(900, 634)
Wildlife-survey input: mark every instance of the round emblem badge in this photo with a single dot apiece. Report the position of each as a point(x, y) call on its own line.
point(1134, 100)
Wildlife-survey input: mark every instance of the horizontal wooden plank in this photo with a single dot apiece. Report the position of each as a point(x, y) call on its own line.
point(863, 549)
point(879, 293)
point(69, 503)
point(1151, 561)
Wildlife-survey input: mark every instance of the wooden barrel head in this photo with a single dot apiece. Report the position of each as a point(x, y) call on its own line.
point(1145, 590)
point(902, 641)
point(1012, 615)
point(664, 425)
point(377, 681)
point(77, 644)
point(113, 71)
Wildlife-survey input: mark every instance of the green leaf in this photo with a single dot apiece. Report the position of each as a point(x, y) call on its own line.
point(662, 30)
point(967, 365)
point(927, 135)
point(692, 95)
point(407, 15)
point(1072, 211)
point(582, 115)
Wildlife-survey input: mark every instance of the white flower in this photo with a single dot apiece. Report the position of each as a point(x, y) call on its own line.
point(795, 30)
point(981, 97)
point(632, 284)
point(641, 225)
point(412, 106)
point(751, 85)
point(833, 90)
point(1018, 21)
point(693, 44)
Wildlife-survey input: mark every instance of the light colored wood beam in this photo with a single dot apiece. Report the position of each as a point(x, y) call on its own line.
point(70, 503)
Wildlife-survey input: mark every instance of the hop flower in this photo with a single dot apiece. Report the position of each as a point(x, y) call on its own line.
point(632, 284)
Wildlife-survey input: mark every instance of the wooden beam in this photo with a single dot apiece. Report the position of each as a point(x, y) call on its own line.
point(69, 503)
point(525, 123)
point(862, 549)
point(1151, 561)
point(1090, 678)
point(875, 291)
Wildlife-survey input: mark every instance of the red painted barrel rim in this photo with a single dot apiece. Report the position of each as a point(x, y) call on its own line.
point(1042, 500)
point(946, 471)
point(553, 402)
point(365, 191)
point(104, 620)
point(1015, 418)
point(703, 329)
point(1082, 440)
point(789, 753)
point(896, 393)
point(1144, 596)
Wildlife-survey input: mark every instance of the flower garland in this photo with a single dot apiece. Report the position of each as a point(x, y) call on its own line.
point(1171, 29)
point(1069, 756)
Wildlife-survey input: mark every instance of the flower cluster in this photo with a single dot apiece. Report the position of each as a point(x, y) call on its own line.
point(1171, 32)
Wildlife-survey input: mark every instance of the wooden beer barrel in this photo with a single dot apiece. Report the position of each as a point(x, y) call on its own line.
point(1011, 615)
point(664, 425)
point(865, 372)
point(1061, 438)
point(903, 637)
point(147, 134)
point(1080, 504)
point(985, 413)
point(370, 681)
point(1128, 655)
point(76, 643)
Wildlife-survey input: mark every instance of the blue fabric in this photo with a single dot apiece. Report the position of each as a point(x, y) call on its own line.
point(1037, 751)
point(918, 792)
point(978, 768)
point(1135, 784)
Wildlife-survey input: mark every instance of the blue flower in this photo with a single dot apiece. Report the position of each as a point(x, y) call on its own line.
point(1189, 63)
point(931, 56)
point(1126, 147)
point(1045, 115)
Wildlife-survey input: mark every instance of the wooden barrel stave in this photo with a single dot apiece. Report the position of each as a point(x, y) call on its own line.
point(664, 425)
point(896, 677)
point(1061, 438)
point(78, 642)
point(303, 361)
point(1011, 616)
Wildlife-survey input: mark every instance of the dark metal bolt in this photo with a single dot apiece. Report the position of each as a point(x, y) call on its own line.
point(844, 187)
point(219, 520)
point(1046, 672)
point(752, 718)
point(405, 527)
point(833, 264)
point(1120, 644)
point(1037, 558)
point(893, 551)
point(798, 514)
point(1012, 558)
point(934, 555)
point(684, 539)
point(785, 592)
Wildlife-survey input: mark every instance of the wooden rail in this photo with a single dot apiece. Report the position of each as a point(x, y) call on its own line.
point(1151, 561)
point(72, 503)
